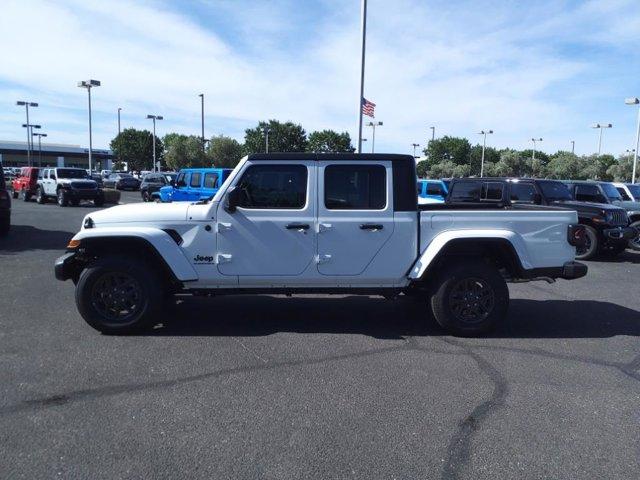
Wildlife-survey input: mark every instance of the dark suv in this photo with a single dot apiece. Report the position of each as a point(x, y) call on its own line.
point(5, 206)
point(605, 192)
point(153, 182)
point(606, 226)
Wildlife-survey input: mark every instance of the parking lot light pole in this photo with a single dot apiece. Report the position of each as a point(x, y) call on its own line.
point(26, 105)
point(201, 95)
point(119, 109)
point(154, 118)
point(534, 140)
point(363, 45)
point(373, 125)
point(484, 145)
point(39, 135)
point(266, 139)
point(601, 126)
point(573, 147)
point(89, 84)
point(635, 101)
point(415, 145)
point(30, 127)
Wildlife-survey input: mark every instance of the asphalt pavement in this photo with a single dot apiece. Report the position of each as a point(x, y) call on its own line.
point(316, 386)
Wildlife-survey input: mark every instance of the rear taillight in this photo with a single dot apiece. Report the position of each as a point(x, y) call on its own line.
point(576, 235)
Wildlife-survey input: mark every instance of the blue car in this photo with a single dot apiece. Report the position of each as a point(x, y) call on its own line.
point(432, 190)
point(193, 184)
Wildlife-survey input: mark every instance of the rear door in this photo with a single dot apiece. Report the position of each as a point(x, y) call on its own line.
point(355, 214)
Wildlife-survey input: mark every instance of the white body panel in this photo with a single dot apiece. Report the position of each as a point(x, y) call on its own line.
point(252, 248)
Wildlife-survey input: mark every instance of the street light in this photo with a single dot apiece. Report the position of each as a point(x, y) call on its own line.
point(484, 144)
point(266, 131)
point(119, 109)
point(201, 95)
point(433, 133)
point(373, 125)
point(415, 145)
point(573, 146)
point(154, 118)
point(89, 84)
point(635, 101)
point(39, 135)
point(601, 126)
point(534, 140)
point(26, 105)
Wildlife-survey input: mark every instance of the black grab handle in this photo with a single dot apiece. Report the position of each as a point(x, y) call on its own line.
point(298, 226)
point(371, 226)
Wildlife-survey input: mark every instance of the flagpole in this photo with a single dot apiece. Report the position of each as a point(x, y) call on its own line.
point(364, 36)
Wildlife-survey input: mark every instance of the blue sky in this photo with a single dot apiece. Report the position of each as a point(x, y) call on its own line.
point(546, 69)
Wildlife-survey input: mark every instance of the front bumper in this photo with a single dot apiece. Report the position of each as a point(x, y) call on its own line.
point(64, 267)
point(619, 234)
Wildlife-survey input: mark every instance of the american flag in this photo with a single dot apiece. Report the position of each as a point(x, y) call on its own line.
point(368, 108)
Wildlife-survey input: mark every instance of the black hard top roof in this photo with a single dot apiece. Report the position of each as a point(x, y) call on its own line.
point(351, 157)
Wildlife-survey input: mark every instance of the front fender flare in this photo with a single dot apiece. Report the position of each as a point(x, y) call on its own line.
point(156, 238)
point(440, 241)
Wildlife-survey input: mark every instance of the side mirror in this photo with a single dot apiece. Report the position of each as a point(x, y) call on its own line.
point(233, 199)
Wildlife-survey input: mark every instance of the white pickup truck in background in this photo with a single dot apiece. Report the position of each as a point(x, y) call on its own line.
point(307, 223)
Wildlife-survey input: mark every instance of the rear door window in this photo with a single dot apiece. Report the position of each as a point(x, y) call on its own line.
point(195, 180)
point(210, 180)
point(355, 187)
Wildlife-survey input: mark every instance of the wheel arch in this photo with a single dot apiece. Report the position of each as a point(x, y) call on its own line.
point(498, 250)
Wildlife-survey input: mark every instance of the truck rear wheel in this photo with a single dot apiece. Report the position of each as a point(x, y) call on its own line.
point(63, 198)
point(40, 196)
point(470, 298)
point(118, 295)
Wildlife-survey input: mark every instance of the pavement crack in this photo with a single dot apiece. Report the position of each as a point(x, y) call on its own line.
point(112, 390)
point(459, 448)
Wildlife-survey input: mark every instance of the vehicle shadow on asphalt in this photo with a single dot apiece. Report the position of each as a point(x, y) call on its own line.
point(256, 315)
point(627, 256)
point(25, 237)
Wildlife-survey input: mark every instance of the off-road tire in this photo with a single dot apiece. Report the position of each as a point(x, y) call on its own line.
point(40, 196)
point(62, 197)
point(592, 244)
point(143, 296)
point(634, 243)
point(14, 194)
point(26, 196)
point(146, 197)
point(476, 312)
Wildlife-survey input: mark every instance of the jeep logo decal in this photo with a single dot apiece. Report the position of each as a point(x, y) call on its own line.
point(202, 260)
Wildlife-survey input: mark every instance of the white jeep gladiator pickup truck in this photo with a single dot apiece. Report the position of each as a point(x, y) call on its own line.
point(327, 223)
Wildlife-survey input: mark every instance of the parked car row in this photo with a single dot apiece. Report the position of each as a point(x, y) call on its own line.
point(188, 185)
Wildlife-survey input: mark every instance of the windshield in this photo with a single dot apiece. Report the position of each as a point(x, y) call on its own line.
point(611, 192)
point(635, 191)
point(72, 173)
point(555, 191)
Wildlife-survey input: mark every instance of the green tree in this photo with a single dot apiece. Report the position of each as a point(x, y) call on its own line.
point(454, 149)
point(329, 141)
point(491, 155)
point(224, 151)
point(135, 147)
point(184, 151)
point(565, 165)
point(512, 163)
point(283, 137)
point(622, 170)
point(596, 167)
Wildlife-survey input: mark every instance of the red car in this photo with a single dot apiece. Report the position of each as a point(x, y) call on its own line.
point(26, 183)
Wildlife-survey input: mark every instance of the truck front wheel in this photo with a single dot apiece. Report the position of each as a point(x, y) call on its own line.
point(470, 297)
point(118, 295)
point(591, 244)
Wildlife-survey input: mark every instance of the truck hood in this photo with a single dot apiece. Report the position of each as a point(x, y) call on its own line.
point(584, 206)
point(141, 213)
point(628, 206)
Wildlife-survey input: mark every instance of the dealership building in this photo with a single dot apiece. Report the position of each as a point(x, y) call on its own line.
point(15, 154)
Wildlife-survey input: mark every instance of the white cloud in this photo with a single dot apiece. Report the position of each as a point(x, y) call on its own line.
point(459, 65)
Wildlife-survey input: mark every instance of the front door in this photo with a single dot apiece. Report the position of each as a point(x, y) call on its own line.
point(355, 215)
point(181, 190)
point(272, 231)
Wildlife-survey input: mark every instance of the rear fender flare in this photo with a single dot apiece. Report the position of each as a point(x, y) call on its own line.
point(440, 242)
